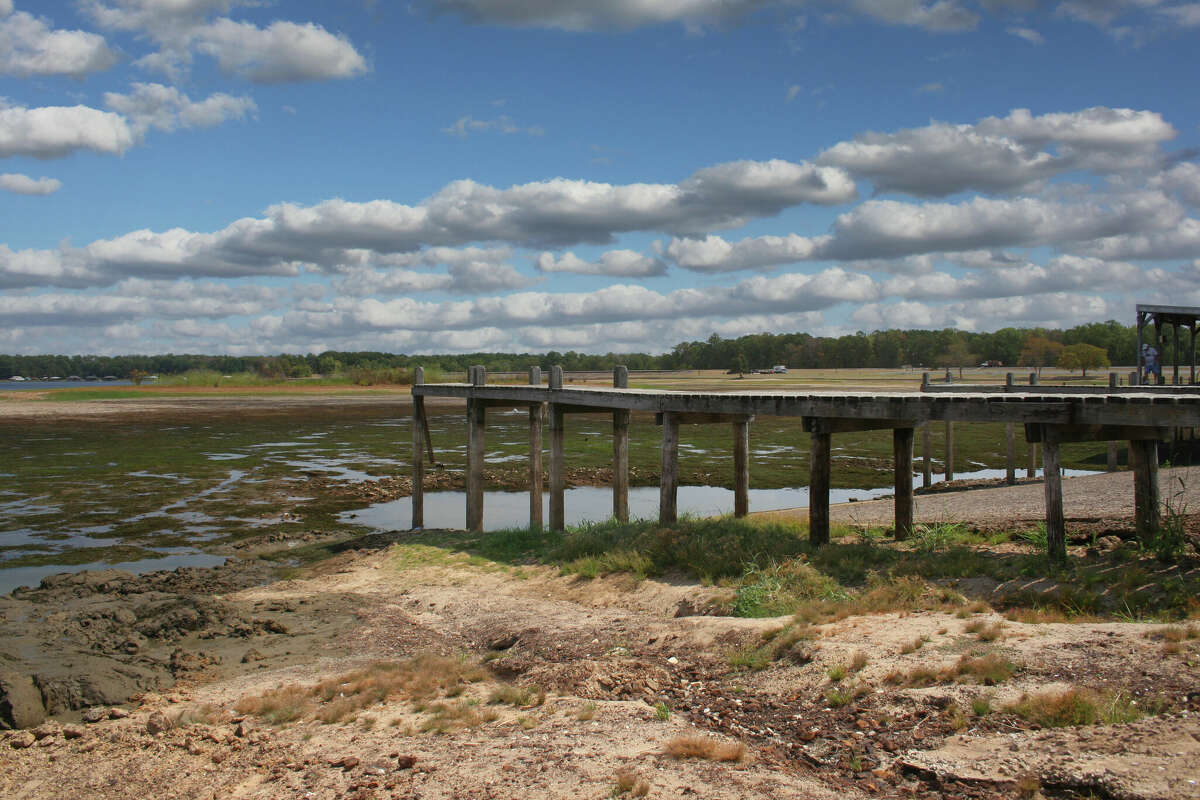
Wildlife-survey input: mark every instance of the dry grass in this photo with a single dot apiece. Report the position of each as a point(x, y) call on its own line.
point(207, 714)
point(450, 717)
point(629, 782)
point(986, 631)
point(705, 747)
point(858, 661)
point(913, 646)
point(339, 699)
point(1082, 706)
point(989, 670)
point(586, 712)
point(519, 696)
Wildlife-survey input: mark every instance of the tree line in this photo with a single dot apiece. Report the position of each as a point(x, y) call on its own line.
point(1010, 347)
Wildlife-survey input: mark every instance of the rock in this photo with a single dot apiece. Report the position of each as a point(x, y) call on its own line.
point(158, 723)
point(503, 642)
point(96, 714)
point(45, 730)
point(22, 740)
point(345, 762)
point(117, 713)
point(70, 731)
point(405, 762)
point(20, 702)
point(252, 655)
point(1108, 542)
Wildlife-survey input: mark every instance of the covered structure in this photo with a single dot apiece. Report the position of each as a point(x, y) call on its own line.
point(1149, 352)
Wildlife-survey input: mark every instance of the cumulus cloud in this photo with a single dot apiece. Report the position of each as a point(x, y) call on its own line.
point(1176, 241)
point(1055, 310)
point(152, 105)
point(466, 125)
point(1028, 34)
point(1182, 180)
point(1064, 273)
point(59, 309)
point(23, 184)
point(1186, 15)
point(29, 46)
point(1002, 155)
point(57, 131)
point(617, 263)
point(282, 52)
point(715, 254)
point(6, 7)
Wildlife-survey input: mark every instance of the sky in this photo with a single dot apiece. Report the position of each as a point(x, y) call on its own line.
point(436, 176)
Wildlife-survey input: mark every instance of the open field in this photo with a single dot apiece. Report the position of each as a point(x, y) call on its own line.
point(717, 658)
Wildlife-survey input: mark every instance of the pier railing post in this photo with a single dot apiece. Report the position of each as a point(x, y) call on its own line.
point(418, 454)
point(1147, 511)
point(902, 450)
point(536, 415)
point(1056, 526)
point(668, 496)
point(818, 484)
point(620, 479)
point(558, 516)
point(741, 467)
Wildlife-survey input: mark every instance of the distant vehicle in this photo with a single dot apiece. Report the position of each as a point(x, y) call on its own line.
point(17, 378)
point(74, 378)
point(110, 378)
point(992, 364)
point(779, 369)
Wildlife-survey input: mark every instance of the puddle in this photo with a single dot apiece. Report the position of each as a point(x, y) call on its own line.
point(32, 576)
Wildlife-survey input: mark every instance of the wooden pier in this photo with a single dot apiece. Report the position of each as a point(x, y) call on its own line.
point(1049, 419)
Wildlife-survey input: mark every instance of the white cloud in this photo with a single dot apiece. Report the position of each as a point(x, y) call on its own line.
point(280, 53)
point(715, 254)
point(1183, 180)
point(167, 108)
point(29, 46)
point(1181, 240)
point(57, 131)
point(1064, 273)
point(931, 88)
point(1186, 15)
point(466, 125)
point(1053, 310)
point(23, 184)
point(617, 263)
point(1028, 34)
point(6, 7)
point(1102, 13)
point(793, 91)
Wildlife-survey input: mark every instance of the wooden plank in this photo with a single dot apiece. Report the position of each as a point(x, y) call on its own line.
point(476, 424)
point(832, 425)
point(1056, 526)
point(820, 464)
point(418, 464)
point(706, 419)
point(557, 467)
point(902, 452)
point(668, 498)
point(741, 467)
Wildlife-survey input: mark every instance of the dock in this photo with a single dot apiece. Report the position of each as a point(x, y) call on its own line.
point(1141, 416)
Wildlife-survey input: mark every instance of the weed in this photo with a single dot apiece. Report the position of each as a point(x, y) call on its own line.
point(839, 696)
point(629, 782)
point(988, 670)
point(837, 672)
point(206, 714)
point(981, 705)
point(705, 747)
point(527, 721)
point(586, 711)
point(1081, 706)
point(1170, 541)
point(662, 712)
point(1036, 538)
point(520, 696)
point(858, 661)
point(913, 646)
point(990, 632)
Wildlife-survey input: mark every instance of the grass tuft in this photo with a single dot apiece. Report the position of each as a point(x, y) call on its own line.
point(706, 748)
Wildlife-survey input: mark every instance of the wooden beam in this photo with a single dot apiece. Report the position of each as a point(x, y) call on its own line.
point(1010, 460)
point(476, 424)
point(1147, 508)
point(557, 466)
point(668, 498)
point(741, 467)
point(1056, 526)
point(704, 418)
point(842, 425)
point(902, 452)
point(1031, 467)
point(1094, 433)
point(820, 463)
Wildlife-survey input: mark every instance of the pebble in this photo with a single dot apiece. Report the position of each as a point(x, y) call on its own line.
point(22, 740)
point(158, 723)
point(96, 714)
point(118, 713)
point(72, 732)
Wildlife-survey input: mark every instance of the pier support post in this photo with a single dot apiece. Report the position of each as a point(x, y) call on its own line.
point(1031, 467)
point(949, 450)
point(668, 498)
point(558, 516)
point(741, 467)
point(1112, 456)
point(926, 456)
point(902, 450)
point(818, 485)
point(418, 454)
point(476, 424)
point(1010, 461)
point(536, 415)
point(620, 479)
point(1147, 509)
point(1056, 526)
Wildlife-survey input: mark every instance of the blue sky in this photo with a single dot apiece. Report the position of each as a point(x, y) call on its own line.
point(458, 175)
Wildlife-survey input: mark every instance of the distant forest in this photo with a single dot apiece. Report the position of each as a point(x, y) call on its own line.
point(1009, 347)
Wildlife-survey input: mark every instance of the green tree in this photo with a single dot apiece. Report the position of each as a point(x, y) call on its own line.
point(1083, 357)
point(739, 364)
point(957, 354)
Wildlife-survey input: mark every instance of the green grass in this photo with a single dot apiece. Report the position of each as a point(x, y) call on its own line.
point(1081, 706)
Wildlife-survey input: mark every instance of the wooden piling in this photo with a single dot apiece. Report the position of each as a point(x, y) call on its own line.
point(1147, 509)
point(1031, 467)
point(818, 485)
point(476, 424)
point(741, 467)
point(1010, 461)
point(620, 479)
point(949, 450)
point(558, 517)
point(1056, 527)
point(902, 451)
point(418, 454)
point(536, 416)
point(1112, 456)
point(668, 498)
point(926, 455)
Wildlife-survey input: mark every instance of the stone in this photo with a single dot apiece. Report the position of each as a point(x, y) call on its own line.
point(70, 731)
point(405, 762)
point(45, 730)
point(95, 714)
point(118, 713)
point(22, 740)
point(252, 655)
point(158, 723)
point(20, 702)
